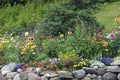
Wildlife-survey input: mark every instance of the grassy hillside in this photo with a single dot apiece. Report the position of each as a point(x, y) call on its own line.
point(107, 14)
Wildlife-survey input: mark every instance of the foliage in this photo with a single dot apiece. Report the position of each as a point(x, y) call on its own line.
point(65, 19)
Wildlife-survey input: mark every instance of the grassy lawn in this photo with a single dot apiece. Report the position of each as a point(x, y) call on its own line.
point(107, 14)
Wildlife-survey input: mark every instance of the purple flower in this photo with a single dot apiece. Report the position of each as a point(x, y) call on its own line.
point(18, 66)
point(119, 33)
point(106, 60)
point(112, 35)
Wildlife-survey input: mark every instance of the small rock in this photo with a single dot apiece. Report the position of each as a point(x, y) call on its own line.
point(115, 69)
point(86, 78)
point(43, 78)
point(30, 69)
point(101, 71)
point(33, 76)
point(90, 70)
point(17, 77)
point(53, 75)
point(24, 75)
point(55, 78)
point(47, 75)
point(5, 72)
point(109, 76)
point(115, 63)
point(11, 75)
point(94, 79)
point(88, 75)
point(79, 73)
point(2, 77)
point(65, 74)
point(99, 78)
point(7, 68)
point(45, 72)
point(75, 79)
point(118, 77)
point(9, 79)
point(38, 70)
point(19, 70)
point(95, 67)
point(93, 76)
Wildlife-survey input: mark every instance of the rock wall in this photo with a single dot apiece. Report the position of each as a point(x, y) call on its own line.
point(86, 73)
point(97, 71)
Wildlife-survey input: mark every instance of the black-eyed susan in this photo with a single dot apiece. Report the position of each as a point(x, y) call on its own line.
point(30, 39)
point(116, 19)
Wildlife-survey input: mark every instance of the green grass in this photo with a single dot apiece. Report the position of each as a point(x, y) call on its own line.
point(107, 13)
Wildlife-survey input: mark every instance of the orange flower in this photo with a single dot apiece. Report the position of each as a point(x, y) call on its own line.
point(42, 37)
point(49, 37)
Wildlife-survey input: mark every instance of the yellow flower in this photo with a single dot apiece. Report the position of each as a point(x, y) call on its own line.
point(106, 50)
point(69, 32)
point(33, 53)
point(32, 47)
point(22, 52)
point(74, 66)
point(26, 34)
point(30, 39)
point(61, 35)
point(105, 44)
point(116, 19)
point(32, 50)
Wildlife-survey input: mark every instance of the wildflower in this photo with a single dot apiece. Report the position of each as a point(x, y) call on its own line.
point(105, 44)
point(42, 37)
point(33, 53)
point(106, 60)
point(69, 32)
point(106, 50)
point(99, 36)
point(116, 19)
point(49, 37)
point(22, 52)
point(31, 39)
point(26, 34)
point(111, 35)
point(119, 33)
point(61, 35)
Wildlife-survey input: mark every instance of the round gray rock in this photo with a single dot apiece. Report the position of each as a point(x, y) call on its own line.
point(118, 77)
point(109, 76)
point(79, 73)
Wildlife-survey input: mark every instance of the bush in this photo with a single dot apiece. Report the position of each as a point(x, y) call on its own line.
point(60, 19)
